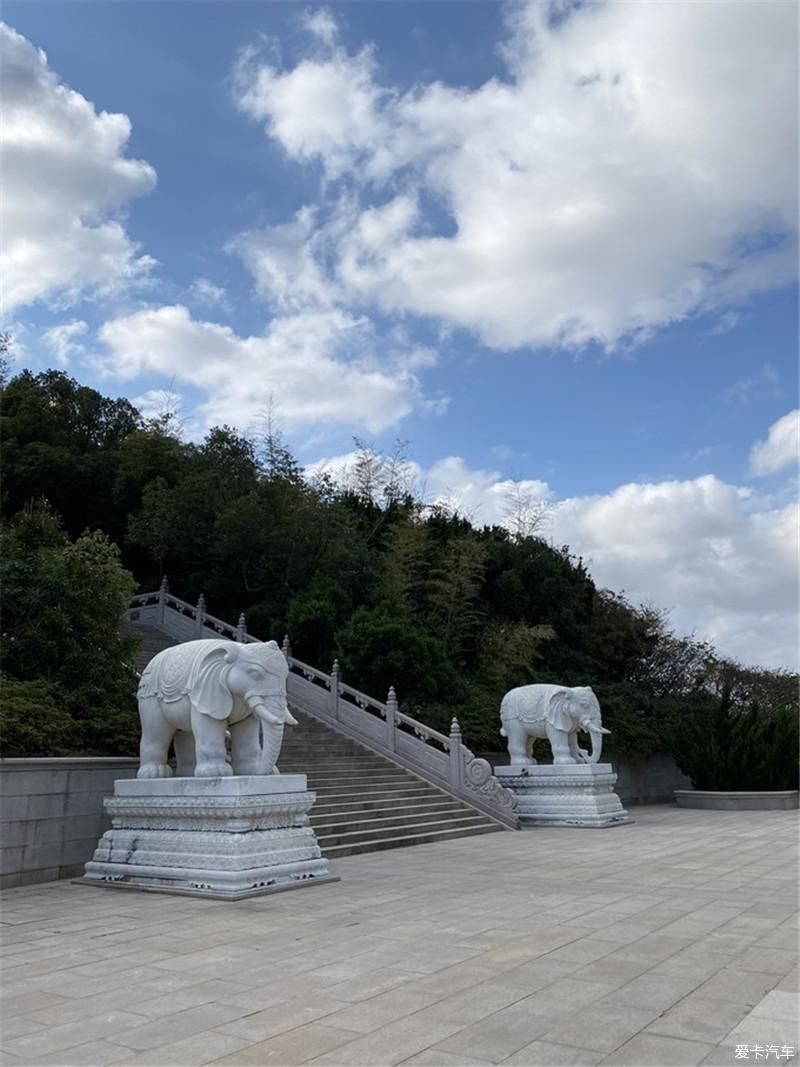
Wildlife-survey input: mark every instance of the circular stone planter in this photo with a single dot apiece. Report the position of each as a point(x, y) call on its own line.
point(729, 800)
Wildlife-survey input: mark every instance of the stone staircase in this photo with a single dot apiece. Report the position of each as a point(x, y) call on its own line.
point(364, 802)
point(151, 641)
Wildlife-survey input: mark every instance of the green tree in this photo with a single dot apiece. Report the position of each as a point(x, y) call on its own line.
point(63, 605)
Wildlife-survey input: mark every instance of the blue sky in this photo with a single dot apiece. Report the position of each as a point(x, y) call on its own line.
point(551, 249)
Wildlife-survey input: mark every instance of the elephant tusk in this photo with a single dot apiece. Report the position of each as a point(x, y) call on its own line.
point(266, 716)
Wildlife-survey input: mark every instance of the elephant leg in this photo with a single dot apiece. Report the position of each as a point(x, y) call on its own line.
point(517, 744)
point(154, 744)
point(559, 742)
point(246, 754)
point(529, 750)
point(184, 754)
point(209, 743)
point(577, 753)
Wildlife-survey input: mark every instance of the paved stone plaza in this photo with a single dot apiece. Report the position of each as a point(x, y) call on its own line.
point(668, 941)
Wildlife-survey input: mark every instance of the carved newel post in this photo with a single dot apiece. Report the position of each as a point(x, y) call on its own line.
point(576, 789)
point(227, 824)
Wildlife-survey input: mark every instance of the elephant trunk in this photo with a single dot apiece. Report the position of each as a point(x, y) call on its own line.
point(271, 741)
point(596, 734)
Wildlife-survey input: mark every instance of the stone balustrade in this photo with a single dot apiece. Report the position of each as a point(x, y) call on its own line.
point(381, 726)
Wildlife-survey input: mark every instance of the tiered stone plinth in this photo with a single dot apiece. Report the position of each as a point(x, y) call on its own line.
point(565, 794)
point(214, 837)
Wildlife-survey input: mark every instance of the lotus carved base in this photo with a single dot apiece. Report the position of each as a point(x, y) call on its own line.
point(225, 838)
point(565, 794)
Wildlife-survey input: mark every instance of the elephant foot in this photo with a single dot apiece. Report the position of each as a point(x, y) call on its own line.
point(219, 769)
point(564, 759)
point(154, 770)
point(252, 768)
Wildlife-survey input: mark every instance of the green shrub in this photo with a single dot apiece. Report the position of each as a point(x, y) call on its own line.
point(33, 720)
point(724, 747)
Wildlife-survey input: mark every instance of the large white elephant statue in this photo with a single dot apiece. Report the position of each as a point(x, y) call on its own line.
point(555, 712)
point(195, 692)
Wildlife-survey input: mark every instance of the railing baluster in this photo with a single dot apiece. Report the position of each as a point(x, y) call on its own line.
point(455, 755)
point(391, 719)
point(335, 689)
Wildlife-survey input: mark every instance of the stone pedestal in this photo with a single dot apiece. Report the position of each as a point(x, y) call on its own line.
point(214, 837)
point(564, 794)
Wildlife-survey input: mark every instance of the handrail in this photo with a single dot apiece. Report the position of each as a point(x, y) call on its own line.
point(445, 761)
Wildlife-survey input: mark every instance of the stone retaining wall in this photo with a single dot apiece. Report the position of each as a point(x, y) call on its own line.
point(51, 815)
point(51, 810)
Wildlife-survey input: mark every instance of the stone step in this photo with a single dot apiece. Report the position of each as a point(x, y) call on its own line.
point(405, 840)
point(356, 778)
point(379, 820)
point(328, 840)
point(351, 809)
point(334, 769)
point(401, 789)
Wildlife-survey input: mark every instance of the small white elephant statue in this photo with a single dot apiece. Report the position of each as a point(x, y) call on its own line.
point(555, 712)
point(194, 692)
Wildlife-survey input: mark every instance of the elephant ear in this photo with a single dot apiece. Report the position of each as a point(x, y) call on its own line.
point(559, 710)
point(208, 689)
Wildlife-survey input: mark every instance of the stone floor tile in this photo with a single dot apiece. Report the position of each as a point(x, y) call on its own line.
point(391, 1044)
point(19, 1003)
point(614, 970)
point(439, 1058)
point(650, 1049)
point(18, 1027)
point(471, 1005)
point(97, 1053)
point(368, 1015)
point(791, 981)
point(536, 975)
point(262, 1025)
point(452, 979)
point(52, 1038)
point(710, 1025)
point(370, 984)
point(294, 1046)
point(778, 1004)
point(499, 1035)
point(741, 987)
point(584, 950)
point(690, 962)
point(600, 1028)
point(205, 1047)
point(549, 1054)
point(190, 996)
point(646, 992)
point(655, 947)
point(153, 1033)
point(567, 994)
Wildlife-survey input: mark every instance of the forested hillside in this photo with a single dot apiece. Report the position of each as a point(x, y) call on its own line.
point(402, 593)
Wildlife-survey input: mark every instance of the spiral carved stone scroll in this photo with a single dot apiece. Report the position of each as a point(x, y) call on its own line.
point(478, 776)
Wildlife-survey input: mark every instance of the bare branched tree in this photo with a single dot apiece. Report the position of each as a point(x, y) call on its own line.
point(525, 511)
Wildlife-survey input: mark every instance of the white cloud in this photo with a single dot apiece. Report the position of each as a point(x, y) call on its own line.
point(207, 294)
point(321, 24)
point(699, 548)
point(781, 448)
point(637, 165)
point(65, 181)
point(284, 262)
point(318, 367)
point(725, 566)
point(62, 340)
